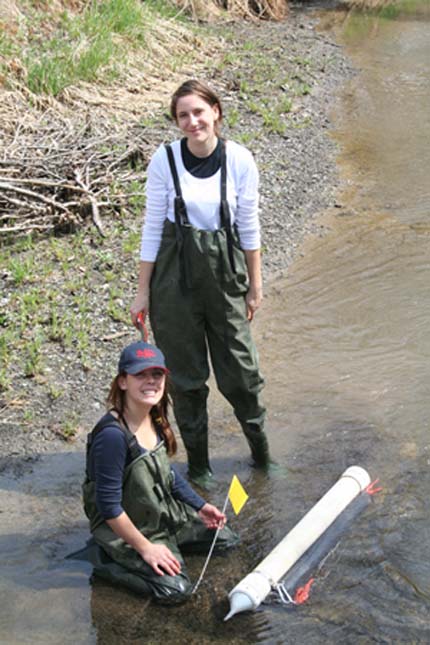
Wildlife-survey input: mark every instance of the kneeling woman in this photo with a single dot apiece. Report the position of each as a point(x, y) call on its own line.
point(141, 510)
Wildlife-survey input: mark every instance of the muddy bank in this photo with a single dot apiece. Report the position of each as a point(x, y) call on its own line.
point(297, 162)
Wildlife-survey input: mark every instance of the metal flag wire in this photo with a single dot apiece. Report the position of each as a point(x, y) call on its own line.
point(205, 566)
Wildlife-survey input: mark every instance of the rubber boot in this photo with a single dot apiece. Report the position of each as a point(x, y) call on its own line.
point(192, 419)
point(199, 470)
point(259, 445)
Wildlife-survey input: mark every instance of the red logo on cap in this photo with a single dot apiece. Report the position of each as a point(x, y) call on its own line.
point(145, 353)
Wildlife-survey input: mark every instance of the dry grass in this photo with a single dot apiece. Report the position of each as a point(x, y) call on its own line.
point(369, 4)
point(234, 9)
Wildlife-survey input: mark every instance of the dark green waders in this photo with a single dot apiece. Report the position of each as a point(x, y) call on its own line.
point(198, 291)
point(162, 519)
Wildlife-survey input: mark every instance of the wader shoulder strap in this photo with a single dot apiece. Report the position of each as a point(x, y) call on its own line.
point(225, 217)
point(109, 420)
point(181, 215)
point(181, 219)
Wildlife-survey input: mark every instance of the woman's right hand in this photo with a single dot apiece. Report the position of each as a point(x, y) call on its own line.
point(140, 304)
point(161, 559)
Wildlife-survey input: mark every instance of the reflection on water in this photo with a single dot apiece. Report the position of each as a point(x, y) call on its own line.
point(346, 358)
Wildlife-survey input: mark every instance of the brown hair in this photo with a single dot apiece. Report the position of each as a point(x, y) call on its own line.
point(199, 89)
point(159, 413)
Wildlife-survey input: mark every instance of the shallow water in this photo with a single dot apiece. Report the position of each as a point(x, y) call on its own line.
point(345, 349)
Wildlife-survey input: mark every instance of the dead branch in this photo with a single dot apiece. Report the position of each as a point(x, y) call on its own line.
point(44, 182)
point(31, 193)
point(93, 201)
point(51, 165)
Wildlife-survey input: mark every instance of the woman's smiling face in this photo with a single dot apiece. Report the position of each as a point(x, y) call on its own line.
point(196, 119)
point(146, 387)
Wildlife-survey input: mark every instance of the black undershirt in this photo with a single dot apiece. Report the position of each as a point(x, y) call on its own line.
point(201, 167)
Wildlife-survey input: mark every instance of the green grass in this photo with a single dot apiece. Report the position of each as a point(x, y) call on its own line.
point(87, 47)
point(21, 270)
point(84, 45)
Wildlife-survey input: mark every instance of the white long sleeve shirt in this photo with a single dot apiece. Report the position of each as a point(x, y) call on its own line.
point(202, 197)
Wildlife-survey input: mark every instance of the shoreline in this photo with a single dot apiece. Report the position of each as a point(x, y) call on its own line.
point(298, 182)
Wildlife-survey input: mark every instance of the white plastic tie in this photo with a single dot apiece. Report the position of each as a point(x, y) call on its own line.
point(284, 595)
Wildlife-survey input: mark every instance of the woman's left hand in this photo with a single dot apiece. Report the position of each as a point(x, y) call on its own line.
point(211, 517)
point(253, 300)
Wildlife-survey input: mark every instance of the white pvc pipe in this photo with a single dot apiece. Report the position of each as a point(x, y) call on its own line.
point(254, 588)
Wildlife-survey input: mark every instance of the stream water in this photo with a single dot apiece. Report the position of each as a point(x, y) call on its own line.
point(347, 363)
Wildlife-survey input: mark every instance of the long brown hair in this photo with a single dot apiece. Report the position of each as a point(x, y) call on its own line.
point(116, 400)
point(204, 92)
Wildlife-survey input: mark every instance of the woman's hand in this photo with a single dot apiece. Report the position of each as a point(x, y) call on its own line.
point(161, 559)
point(158, 556)
point(140, 304)
point(141, 301)
point(255, 292)
point(211, 517)
point(253, 300)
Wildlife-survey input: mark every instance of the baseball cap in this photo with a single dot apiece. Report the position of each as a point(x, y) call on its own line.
point(140, 356)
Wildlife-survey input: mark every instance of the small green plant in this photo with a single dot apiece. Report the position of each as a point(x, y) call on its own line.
point(148, 121)
point(304, 123)
point(6, 342)
point(21, 269)
point(55, 392)
point(136, 197)
point(131, 242)
point(273, 122)
point(28, 415)
point(303, 62)
point(117, 311)
point(56, 325)
point(232, 117)
point(67, 329)
point(3, 319)
point(109, 275)
point(5, 380)
point(228, 59)
point(69, 428)
point(245, 137)
point(244, 89)
point(253, 106)
point(304, 89)
point(34, 362)
point(284, 106)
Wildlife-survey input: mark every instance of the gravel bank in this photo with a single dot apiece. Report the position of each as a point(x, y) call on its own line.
point(266, 65)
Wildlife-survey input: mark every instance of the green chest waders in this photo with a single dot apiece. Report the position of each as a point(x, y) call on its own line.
point(148, 501)
point(198, 291)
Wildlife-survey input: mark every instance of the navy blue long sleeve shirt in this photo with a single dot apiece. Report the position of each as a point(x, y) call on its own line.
point(109, 456)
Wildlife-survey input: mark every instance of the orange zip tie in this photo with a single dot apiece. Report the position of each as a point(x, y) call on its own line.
point(302, 593)
point(371, 490)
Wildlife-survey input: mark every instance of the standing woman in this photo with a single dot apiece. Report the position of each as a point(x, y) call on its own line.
point(200, 273)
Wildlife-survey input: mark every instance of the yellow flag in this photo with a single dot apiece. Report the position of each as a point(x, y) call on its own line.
point(237, 495)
